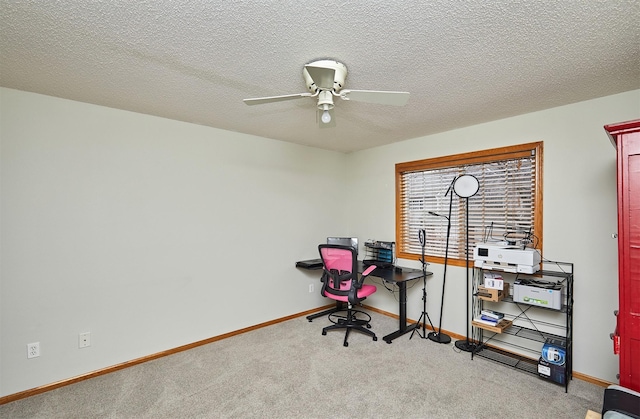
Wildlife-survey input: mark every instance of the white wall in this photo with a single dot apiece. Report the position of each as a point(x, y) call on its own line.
point(580, 212)
point(152, 233)
point(147, 232)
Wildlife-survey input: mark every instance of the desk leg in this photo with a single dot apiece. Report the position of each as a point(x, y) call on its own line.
point(403, 328)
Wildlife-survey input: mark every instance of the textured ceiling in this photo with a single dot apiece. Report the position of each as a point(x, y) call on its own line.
point(464, 62)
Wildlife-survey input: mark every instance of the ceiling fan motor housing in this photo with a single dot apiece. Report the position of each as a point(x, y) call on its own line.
point(339, 76)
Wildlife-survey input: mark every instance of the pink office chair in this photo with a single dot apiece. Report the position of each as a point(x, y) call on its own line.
point(341, 282)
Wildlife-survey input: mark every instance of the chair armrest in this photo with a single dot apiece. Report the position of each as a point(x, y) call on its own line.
point(358, 283)
point(368, 270)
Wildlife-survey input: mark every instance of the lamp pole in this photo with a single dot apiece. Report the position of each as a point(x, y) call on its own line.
point(440, 337)
point(465, 186)
point(466, 345)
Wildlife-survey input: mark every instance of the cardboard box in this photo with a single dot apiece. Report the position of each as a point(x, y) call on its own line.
point(489, 294)
point(554, 351)
point(551, 372)
point(493, 281)
point(593, 415)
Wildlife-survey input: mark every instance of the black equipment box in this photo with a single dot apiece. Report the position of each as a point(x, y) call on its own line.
point(549, 371)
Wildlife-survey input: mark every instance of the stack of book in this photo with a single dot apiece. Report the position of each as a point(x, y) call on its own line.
point(489, 317)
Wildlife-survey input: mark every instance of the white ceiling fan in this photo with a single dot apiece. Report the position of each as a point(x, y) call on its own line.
point(325, 80)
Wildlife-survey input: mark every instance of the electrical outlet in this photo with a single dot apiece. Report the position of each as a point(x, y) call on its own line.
point(311, 288)
point(84, 340)
point(33, 350)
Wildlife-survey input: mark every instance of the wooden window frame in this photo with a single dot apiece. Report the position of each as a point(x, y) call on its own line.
point(460, 161)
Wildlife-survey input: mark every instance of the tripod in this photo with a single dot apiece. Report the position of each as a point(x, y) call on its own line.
point(424, 316)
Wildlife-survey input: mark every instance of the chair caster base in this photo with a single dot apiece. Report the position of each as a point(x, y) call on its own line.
point(350, 321)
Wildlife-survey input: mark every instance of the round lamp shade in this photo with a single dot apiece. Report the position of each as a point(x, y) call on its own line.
point(466, 186)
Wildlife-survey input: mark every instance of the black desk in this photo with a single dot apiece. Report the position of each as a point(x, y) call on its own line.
point(394, 277)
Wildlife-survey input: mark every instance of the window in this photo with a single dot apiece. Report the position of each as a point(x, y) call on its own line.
point(508, 205)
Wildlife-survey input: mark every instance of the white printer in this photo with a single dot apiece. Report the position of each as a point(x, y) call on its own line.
point(538, 293)
point(506, 258)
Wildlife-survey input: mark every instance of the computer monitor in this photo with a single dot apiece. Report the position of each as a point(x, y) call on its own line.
point(344, 241)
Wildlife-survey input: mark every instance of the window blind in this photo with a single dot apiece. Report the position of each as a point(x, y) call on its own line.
point(505, 206)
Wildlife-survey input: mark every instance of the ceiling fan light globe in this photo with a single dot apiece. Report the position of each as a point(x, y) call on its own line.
point(326, 117)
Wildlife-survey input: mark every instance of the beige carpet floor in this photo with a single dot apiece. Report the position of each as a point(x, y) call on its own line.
point(289, 370)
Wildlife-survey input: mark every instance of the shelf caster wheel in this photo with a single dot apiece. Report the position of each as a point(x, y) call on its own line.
point(375, 338)
point(346, 344)
point(324, 333)
point(368, 326)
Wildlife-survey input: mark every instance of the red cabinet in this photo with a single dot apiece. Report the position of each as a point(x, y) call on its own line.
point(626, 138)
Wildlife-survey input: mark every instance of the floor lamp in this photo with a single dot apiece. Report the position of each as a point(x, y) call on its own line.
point(466, 186)
point(438, 336)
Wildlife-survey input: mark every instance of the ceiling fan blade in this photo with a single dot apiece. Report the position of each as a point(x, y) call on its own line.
point(322, 76)
point(261, 100)
point(376, 96)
